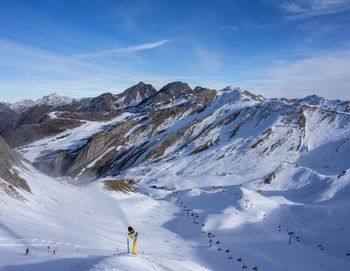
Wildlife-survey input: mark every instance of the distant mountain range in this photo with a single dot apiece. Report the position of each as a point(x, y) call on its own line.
point(143, 125)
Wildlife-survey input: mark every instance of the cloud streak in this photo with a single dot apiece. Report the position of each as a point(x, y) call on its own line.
point(325, 74)
point(124, 51)
point(29, 72)
point(208, 60)
point(301, 9)
point(296, 10)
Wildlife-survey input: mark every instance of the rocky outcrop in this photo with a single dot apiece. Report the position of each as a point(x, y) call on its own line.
point(70, 162)
point(98, 145)
point(109, 102)
point(122, 186)
point(9, 177)
point(176, 91)
point(36, 122)
point(18, 135)
point(135, 94)
point(7, 116)
point(204, 96)
point(34, 114)
point(106, 102)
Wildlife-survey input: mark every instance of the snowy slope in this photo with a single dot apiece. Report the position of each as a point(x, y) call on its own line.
point(88, 226)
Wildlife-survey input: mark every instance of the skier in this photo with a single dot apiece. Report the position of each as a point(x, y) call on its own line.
point(132, 235)
point(27, 252)
point(48, 249)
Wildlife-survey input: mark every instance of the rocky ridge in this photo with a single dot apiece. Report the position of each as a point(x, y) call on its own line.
point(178, 122)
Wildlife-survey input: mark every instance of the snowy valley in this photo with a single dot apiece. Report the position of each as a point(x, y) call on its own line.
point(210, 179)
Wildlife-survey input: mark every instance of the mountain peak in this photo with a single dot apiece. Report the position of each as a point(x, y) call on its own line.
point(312, 100)
point(54, 99)
point(176, 86)
point(21, 105)
point(136, 93)
point(238, 93)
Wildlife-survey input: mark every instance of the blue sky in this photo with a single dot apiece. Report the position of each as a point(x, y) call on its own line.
point(278, 48)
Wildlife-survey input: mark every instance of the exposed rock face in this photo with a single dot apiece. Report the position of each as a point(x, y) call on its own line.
point(103, 103)
point(135, 95)
point(122, 186)
point(34, 114)
point(70, 162)
point(36, 122)
point(174, 90)
point(204, 96)
point(99, 144)
point(7, 116)
point(9, 178)
point(18, 135)
point(109, 102)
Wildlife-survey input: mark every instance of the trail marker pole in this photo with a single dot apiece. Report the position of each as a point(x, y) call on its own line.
point(290, 236)
point(127, 243)
point(194, 218)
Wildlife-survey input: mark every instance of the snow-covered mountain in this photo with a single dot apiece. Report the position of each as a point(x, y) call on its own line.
point(224, 178)
point(54, 99)
point(21, 106)
point(168, 126)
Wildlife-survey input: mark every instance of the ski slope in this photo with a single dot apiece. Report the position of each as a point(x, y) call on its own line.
point(88, 225)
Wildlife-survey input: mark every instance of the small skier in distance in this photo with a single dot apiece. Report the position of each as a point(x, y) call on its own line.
point(48, 249)
point(132, 235)
point(27, 252)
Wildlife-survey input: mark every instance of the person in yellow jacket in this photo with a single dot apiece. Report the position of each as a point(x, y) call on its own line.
point(132, 235)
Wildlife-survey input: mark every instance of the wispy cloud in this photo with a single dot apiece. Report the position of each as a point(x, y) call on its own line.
point(314, 29)
point(325, 74)
point(124, 51)
point(295, 10)
point(209, 60)
point(29, 72)
point(229, 28)
point(300, 9)
point(128, 14)
point(263, 26)
point(316, 26)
